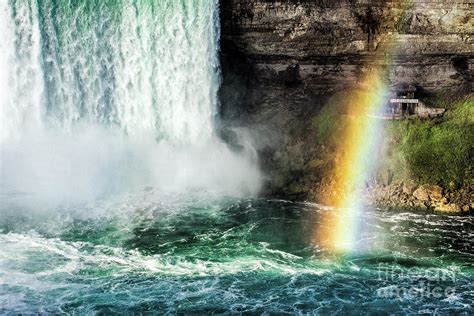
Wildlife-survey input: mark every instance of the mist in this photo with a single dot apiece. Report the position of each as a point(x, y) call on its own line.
point(53, 168)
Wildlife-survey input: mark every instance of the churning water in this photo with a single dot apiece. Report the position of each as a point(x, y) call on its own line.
point(117, 197)
point(149, 252)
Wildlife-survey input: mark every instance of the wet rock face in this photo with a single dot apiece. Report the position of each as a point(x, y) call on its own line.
point(429, 42)
point(282, 60)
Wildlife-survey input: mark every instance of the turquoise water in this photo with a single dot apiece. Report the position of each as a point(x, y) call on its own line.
point(161, 253)
point(100, 99)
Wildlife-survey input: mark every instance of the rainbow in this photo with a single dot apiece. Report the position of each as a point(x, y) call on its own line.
point(356, 157)
point(355, 163)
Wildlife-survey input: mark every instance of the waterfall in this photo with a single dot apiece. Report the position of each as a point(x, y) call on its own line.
point(21, 77)
point(98, 96)
point(147, 67)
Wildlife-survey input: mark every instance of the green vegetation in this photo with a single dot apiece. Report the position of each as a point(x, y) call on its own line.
point(330, 121)
point(436, 151)
point(446, 99)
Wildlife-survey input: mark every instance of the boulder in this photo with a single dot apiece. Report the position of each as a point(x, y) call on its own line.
point(421, 194)
point(429, 192)
point(408, 188)
point(435, 192)
point(448, 208)
point(423, 111)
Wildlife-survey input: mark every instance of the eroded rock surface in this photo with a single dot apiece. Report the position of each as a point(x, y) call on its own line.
point(325, 45)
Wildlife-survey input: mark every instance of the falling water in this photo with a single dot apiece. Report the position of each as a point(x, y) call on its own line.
point(99, 96)
point(147, 67)
point(21, 78)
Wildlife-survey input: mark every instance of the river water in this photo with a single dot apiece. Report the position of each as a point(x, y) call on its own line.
point(153, 252)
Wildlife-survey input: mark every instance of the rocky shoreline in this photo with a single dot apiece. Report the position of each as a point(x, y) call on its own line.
point(424, 197)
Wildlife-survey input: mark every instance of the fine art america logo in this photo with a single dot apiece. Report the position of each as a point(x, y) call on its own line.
point(412, 283)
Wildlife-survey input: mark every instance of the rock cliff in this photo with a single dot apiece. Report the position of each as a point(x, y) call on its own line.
point(326, 44)
point(283, 60)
